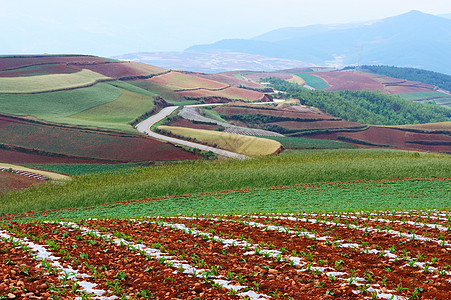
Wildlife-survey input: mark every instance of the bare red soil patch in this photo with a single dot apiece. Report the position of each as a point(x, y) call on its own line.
point(295, 125)
point(230, 79)
point(40, 70)
point(395, 138)
point(194, 125)
point(349, 81)
point(127, 70)
point(229, 93)
point(85, 144)
point(11, 62)
point(11, 181)
point(288, 112)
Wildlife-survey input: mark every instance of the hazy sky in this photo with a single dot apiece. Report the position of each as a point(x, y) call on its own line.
point(113, 27)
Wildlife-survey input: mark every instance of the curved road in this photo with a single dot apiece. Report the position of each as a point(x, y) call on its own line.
point(145, 125)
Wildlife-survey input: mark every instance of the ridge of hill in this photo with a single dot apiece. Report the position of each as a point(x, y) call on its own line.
point(411, 39)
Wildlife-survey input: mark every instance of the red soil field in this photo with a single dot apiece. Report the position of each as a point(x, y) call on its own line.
point(122, 69)
point(289, 256)
point(10, 62)
point(394, 138)
point(229, 93)
point(189, 124)
point(228, 78)
point(89, 144)
point(180, 81)
point(293, 125)
point(282, 112)
point(349, 81)
point(10, 181)
point(41, 70)
point(398, 86)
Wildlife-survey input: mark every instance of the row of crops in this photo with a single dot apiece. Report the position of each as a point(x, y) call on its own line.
point(385, 255)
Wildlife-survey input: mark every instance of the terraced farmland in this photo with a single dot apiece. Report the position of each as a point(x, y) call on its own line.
point(49, 83)
point(388, 254)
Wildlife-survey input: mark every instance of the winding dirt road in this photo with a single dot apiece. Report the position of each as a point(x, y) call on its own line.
point(145, 125)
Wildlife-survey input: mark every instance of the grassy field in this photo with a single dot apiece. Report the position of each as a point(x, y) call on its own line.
point(425, 95)
point(360, 195)
point(296, 79)
point(303, 143)
point(313, 81)
point(57, 106)
point(205, 176)
point(51, 82)
point(82, 169)
point(242, 144)
point(121, 111)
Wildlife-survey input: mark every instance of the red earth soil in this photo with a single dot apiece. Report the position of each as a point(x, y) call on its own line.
point(16, 157)
point(349, 81)
point(317, 124)
point(230, 92)
point(233, 110)
point(45, 69)
point(11, 181)
point(189, 124)
point(87, 144)
point(122, 69)
point(394, 138)
point(306, 256)
point(228, 78)
point(18, 61)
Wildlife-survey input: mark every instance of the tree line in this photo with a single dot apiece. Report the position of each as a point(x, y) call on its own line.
point(365, 106)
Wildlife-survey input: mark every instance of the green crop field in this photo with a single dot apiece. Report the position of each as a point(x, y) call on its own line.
point(204, 176)
point(313, 81)
point(81, 169)
point(122, 111)
point(360, 195)
point(57, 106)
point(294, 142)
point(418, 96)
point(51, 82)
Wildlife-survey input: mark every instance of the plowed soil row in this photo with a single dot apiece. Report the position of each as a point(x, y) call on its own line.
point(225, 257)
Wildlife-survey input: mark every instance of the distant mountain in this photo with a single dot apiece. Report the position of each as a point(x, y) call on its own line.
point(414, 39)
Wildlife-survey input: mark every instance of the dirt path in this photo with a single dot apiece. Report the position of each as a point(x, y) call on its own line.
point(145, 125)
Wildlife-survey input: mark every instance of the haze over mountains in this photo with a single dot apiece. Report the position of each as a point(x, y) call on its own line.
point(414, 39)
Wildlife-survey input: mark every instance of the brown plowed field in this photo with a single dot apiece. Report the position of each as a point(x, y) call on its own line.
point(179, 81)
point(11, 181)
point(17, 62)
point(229, 93)
point(188, 124)
point(363, 255)
point(394, 138)
point(288, 113)
point(17, 157)
point(89, 144)
point(40, 70)
point(123, 69)
point(350, 81)
point(228, 78)
point(295, 125)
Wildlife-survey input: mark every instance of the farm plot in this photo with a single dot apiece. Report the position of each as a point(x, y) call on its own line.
point(179, 81)
point(285, 256)
point(242, 144)
point(49, 83)
point(60, 141)
point(232, 93)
